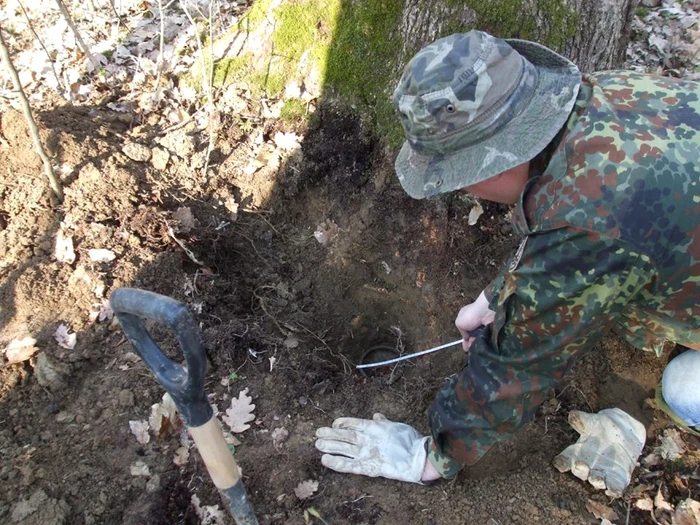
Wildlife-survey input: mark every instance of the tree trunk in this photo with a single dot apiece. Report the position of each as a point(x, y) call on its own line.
point(592, 33)
point(602, 35)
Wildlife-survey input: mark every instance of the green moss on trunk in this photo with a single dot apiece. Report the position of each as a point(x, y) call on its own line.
point(356, 45)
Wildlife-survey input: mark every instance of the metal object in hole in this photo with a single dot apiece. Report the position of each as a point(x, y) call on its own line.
point(185, 384)
point(479, 332)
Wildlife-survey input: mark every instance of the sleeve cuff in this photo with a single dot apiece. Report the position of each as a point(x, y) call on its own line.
point(445, 465)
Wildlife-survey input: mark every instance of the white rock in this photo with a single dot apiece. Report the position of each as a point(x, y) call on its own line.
point(137, 152)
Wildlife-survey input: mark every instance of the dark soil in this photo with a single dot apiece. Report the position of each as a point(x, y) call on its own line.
point(396, 274)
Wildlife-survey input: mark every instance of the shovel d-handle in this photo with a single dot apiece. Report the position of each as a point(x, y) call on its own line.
point(185, 385)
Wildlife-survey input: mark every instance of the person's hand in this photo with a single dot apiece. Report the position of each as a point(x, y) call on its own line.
point(471, 317)
point(607, 451)
point(373, 447)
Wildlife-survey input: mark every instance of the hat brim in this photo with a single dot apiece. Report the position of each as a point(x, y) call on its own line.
point(523, 138)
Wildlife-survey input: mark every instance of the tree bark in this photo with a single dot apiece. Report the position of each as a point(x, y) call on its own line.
point(598, 40)
point(602, 35)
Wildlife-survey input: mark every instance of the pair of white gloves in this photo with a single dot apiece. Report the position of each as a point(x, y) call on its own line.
point(605, 454)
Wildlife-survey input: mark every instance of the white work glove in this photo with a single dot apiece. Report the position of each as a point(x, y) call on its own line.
point(473, 316)
point(607, 451)
point(373, 447)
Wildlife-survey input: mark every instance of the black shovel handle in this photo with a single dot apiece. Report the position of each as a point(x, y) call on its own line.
point(184, 383)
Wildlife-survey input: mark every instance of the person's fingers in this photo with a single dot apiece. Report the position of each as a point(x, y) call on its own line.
point(348, 466)
point(338, 434)
point(597, 479)
point(564, 461)
point(582, 422)
point(467, 343)
point(580, 470)
point(330, 446)
point(616, 482)
point(351, 423)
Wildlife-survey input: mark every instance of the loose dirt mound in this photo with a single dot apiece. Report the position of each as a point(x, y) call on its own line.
point(280, 314)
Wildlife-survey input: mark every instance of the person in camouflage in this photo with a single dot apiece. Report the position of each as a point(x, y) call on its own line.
point(604, 171)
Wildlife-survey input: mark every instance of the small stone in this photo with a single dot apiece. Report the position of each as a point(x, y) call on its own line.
point(46, 435)
point(126, 398)
point(160, 158)
point(65, 417)
point(651, 3)
point(48, 372)
point(179, 142)
point(136, 151)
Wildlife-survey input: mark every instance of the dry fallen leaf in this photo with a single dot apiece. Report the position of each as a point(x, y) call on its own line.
point(326, 232)
point(474, 214)
point(306, 489)
point(240, 413)
point(182, 454)
point(20, 349)
point(644, 503)
point(63, 338)
point(601, 510)
point(672, 446)
point(140, 431)
point(101, 255)
point(101, 312)
point(140, 469)
point(164, 419)
point(279, 436)
point(64, 249)
point(208, 514)
point(291, 342)
point(286, 141)
point(660, 503)
point(687, 513)
point(186, 221)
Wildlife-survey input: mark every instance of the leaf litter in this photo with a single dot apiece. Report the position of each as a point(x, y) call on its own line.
point(19, 350)
point(306, 489)
point(64, 338)
point(241, 412)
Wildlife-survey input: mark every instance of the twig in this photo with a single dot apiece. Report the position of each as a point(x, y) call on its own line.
point(161, 50)
point(64, 11)
point(26, 109)
point(254, 248)
point(181, 244)
point(31, 27)
point(629, 506)
point(274, 319)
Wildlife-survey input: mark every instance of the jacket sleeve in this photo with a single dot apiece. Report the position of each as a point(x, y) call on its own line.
point(551, 306)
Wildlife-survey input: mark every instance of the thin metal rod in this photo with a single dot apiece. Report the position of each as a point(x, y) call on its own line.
point(410, 356)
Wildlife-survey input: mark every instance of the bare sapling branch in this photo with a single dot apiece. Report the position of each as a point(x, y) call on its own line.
point(31, 27)
point(64, 11)
point(33, 129)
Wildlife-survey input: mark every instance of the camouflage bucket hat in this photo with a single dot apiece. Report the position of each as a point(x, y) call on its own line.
point(473, 106)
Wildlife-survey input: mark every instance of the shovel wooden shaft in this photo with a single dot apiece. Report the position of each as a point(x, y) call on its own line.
point(223, 470)
point(215, 453)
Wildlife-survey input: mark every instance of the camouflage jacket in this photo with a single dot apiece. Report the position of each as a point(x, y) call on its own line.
point(611, 242)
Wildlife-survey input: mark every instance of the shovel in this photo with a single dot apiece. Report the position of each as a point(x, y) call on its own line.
point(185, 384)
